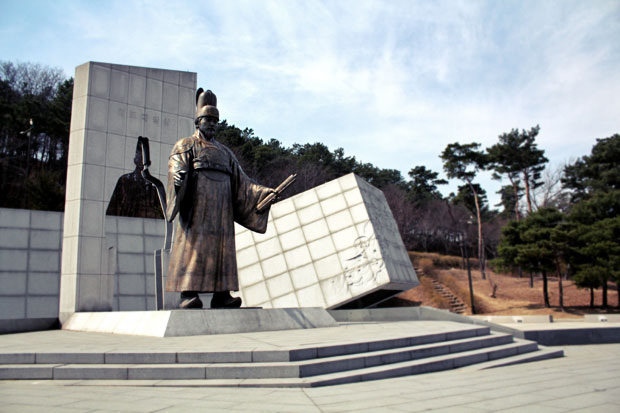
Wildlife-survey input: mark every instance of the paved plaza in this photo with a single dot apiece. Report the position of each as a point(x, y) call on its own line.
point(587, 379)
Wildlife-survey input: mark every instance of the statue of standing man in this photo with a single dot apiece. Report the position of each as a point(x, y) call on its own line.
point(209, 192)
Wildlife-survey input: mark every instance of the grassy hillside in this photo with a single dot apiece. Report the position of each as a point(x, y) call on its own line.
point(514, 295)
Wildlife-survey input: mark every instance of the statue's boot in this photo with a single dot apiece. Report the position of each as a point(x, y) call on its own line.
point(189, 300)
point(223, 299)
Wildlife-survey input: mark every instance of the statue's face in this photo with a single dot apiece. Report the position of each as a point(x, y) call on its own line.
point(207, 126)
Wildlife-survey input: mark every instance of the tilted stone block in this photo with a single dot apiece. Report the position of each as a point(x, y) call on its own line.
point(333, 246)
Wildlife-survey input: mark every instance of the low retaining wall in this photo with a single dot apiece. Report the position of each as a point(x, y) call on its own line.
point(30, 260)
point(30, 245)
point(547, 334)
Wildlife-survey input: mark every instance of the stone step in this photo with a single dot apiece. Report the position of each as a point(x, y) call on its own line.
point(355, 361)
point(426, 365)
point(538, 355)
point(543, 353)
point(266, 372)
point(188, 357)
point(251, 369)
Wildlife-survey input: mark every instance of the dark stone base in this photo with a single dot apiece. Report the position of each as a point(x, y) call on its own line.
point(23, 325)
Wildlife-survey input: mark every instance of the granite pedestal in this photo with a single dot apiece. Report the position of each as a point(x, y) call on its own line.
point(177, 323)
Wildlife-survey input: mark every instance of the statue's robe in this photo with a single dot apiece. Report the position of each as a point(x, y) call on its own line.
point(215, 193)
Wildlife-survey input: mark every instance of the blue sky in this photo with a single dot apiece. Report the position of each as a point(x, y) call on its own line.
point(392, 82)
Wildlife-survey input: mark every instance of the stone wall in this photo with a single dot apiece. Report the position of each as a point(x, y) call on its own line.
point(30, 259)
point(130, 243)
point(30, 243)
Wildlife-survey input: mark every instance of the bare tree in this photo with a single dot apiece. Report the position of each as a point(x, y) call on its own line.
point(551, 192)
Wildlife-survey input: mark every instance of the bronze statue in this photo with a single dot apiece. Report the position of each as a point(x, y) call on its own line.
point(209, 191)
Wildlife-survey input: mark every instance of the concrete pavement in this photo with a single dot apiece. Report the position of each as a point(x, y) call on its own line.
point(587, 379)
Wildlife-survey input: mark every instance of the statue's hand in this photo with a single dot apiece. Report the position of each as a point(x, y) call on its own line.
point(179, 177)
point(274, 193)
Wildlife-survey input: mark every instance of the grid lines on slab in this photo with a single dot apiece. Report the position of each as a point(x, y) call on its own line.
point(112, 106)
point(312, 240)
point(30, 249)
point(133, 241)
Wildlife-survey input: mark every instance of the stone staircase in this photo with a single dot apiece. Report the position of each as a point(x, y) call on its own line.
point(456, 304)
point(302, 366)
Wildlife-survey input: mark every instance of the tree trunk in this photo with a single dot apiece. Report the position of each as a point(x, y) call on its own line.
point(591, 297)
point(560, 286)
point(604, 293)
point(480, 238)
point(526, 181)
point(520, 271)
point(545, 289)
point(618, 291)
point(515, 188)
point(471, 285)
point(531, 280)
point(492, 282)
point(561, 289)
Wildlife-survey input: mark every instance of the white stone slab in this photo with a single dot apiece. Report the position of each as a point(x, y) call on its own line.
point(179, 323)
point(336, 245)
point(112, 106)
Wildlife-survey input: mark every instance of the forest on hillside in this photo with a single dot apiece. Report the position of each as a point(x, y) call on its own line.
point(564, 222)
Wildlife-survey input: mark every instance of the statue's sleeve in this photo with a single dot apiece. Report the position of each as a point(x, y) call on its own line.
point(178, 163)
point(247, 195)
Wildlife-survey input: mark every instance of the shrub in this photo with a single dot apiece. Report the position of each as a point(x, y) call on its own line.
point(427, 266)
point(441, 261)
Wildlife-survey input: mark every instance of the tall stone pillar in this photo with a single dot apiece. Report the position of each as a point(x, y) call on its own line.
point(112, 106)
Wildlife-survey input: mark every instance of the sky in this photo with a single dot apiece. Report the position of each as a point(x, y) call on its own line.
point(391, 82)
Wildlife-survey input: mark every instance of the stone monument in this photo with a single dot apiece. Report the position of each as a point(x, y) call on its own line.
point(333, 246)
point(112, 106)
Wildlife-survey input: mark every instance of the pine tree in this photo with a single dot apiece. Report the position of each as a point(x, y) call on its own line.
point(517, 157)
point(537, 243)
point(463, 162)
point(595, 235)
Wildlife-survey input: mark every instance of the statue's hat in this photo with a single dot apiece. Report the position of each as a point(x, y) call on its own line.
point(206, 104)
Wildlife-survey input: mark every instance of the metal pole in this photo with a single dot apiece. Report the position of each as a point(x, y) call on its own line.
point(28, 133)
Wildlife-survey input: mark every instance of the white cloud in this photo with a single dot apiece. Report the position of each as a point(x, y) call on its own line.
point(391, 82)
